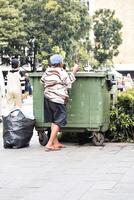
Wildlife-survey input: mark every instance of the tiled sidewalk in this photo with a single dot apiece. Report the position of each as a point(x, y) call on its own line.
point(74, 173)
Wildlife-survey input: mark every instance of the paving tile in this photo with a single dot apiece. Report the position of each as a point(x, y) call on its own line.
point(74, 173)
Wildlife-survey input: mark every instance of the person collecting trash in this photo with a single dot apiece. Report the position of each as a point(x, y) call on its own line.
point(56, 81)
point(14, 92)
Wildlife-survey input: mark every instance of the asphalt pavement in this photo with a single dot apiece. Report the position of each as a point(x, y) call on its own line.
point(75, 173)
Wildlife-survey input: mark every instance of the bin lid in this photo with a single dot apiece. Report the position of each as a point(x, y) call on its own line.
point(78, 74)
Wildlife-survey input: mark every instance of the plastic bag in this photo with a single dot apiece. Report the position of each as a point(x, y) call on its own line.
point(17, 130)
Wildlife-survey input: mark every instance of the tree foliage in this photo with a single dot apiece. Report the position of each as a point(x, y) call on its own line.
point(55, 23)
point(48, 23)
point(107, 33)
point(11, 27)
point(29, 27)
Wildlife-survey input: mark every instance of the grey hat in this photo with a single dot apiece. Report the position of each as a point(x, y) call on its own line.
point(56, 59)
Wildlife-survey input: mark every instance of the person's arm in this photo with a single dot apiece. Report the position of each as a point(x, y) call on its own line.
point(70, 78)
point(75, 69)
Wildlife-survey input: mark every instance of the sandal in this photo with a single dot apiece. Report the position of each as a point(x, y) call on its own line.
point(61, 146)
point(52, 149)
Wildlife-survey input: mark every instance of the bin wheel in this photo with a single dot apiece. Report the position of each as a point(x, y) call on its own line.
point(43, 138)
point(98, 139)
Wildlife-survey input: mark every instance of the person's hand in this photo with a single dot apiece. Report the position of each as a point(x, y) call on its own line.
point(75, 69)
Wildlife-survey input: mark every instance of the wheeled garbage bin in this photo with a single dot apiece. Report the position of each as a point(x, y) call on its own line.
point(88, 109)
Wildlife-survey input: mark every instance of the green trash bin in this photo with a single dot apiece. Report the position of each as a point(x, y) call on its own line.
point(88, 109)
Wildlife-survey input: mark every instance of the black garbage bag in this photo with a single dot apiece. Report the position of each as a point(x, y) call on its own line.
point(17, 130)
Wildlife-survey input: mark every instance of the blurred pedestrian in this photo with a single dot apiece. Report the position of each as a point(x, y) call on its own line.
point(28, 88)
point(14, 92)
point(128, 82)
point(2, 93)
point(120, 83)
